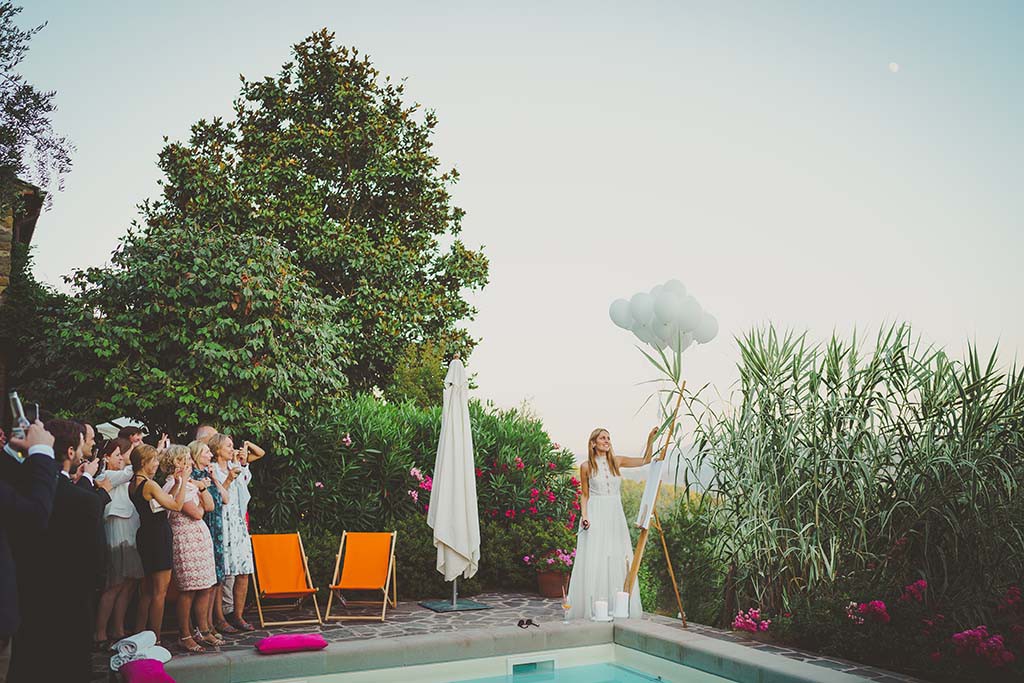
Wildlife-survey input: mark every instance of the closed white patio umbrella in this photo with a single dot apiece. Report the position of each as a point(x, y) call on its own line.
point(453, 508)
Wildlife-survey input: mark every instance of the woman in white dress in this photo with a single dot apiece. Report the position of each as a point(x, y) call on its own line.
point(604, 549)
point(237, 548)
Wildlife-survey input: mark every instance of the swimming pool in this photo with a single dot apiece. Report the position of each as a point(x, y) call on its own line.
point(592, 673)
point(637, 651)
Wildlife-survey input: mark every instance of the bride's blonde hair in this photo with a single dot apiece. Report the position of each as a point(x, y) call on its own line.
point(592, 452)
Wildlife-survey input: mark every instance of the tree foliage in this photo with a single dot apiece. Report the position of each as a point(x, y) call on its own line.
point(419, 375)
point(190, 323)
point(329, 160)
point(29, 147)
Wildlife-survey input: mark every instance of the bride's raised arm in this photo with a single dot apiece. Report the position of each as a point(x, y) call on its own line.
point(624, 461)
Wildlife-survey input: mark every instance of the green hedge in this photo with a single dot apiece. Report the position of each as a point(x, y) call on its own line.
point(352, 470)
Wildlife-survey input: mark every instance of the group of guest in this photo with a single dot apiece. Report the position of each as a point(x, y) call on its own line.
point(108, 527)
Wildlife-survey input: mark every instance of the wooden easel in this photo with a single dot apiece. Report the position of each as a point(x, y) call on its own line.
point(641, 542)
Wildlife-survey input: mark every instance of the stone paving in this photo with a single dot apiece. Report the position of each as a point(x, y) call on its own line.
point(408, 618)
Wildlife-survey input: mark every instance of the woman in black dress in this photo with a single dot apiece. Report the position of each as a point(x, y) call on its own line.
point(153, 538)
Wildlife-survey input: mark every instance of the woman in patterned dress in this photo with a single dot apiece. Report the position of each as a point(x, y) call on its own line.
point(194, 570)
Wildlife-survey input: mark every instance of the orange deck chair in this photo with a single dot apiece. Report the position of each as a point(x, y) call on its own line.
point(365, 562)
point(282, 573)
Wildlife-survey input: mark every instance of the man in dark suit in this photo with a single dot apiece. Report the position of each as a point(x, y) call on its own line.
point(58, 571)
point(25, 505)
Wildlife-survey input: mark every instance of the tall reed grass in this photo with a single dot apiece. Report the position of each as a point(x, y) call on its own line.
point(846, 467)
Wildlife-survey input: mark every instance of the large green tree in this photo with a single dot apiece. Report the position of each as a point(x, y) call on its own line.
point(29, 147)
point(328, 159)
point(198, 317)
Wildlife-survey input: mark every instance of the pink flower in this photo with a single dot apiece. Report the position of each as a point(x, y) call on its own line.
point(976, 643)
point(533, 510)
point(552, 466)
point(479, 473)
point(510, 514)
point(555, 447)
point(426, 508)
point(519, 464)
point(415, 495)
point(551, 497)
point(319, 484)
point(751, 621)
point(914, 592)
point(526, 559)
point(415, 472)
point(347, 440)
point(875, 611)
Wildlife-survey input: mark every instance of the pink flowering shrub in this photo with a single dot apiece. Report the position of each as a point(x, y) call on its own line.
point(556, 560)
point(914, 592)
point(976, 643)
point(751, 621)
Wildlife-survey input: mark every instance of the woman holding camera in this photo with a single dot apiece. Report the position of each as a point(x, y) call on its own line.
point(121, 523)
point(154, 541)
point(237, 548)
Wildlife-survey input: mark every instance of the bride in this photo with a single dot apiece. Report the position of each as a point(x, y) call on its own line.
point(604, 550)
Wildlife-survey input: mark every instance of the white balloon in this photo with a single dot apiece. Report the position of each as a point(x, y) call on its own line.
point(664, 331)
point(707, 330)
point(667, 306)
point(642, 307)
point(677, 287)
point(680, 342)
point(620, 315)
point(643, 332)
point(690, 315)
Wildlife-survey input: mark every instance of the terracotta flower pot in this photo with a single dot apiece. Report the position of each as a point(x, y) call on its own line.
point(551, 584)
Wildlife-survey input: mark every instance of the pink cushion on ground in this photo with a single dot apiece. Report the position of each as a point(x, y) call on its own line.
point(145, 671)
point(291, 642)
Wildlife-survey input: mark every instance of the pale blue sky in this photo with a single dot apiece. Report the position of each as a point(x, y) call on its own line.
point(763, 153)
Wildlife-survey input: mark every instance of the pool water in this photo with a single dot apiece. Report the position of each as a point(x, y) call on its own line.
point(591, 673)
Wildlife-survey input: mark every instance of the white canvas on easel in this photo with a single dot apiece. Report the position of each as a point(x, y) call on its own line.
point(650, 497)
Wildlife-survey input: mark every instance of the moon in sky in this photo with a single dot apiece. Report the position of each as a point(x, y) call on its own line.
point(894, 67)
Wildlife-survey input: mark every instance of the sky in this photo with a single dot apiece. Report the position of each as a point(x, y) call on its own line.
point(820, 168)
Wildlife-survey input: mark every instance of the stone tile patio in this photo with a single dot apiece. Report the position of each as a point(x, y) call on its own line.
point(408, 618)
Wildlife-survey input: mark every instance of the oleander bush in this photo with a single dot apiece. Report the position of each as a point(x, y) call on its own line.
point(367, 465)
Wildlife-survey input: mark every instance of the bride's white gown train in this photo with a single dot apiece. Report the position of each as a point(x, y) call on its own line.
point(603, 552)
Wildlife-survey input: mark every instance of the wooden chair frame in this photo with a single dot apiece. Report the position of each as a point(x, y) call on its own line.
point(297, 601)
point(390, 583)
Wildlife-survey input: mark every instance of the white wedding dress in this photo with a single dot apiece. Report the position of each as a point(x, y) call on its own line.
point(603, 552)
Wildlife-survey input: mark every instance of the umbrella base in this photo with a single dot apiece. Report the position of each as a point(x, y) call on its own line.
point(459, 606)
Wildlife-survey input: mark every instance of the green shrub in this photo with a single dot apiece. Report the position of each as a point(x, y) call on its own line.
point(698, 570)
point(352, 470)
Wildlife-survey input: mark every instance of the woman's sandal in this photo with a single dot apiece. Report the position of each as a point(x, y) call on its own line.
point(225, 627)
point(210, 638)
point(241, 624)
point(194, 648)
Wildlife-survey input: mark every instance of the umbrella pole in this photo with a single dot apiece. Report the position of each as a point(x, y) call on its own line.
point(455, 591)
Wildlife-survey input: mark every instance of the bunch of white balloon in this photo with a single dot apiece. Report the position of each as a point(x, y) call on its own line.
point(665, 317)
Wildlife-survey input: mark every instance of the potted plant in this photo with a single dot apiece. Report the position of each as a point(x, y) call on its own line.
point(553, 569)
